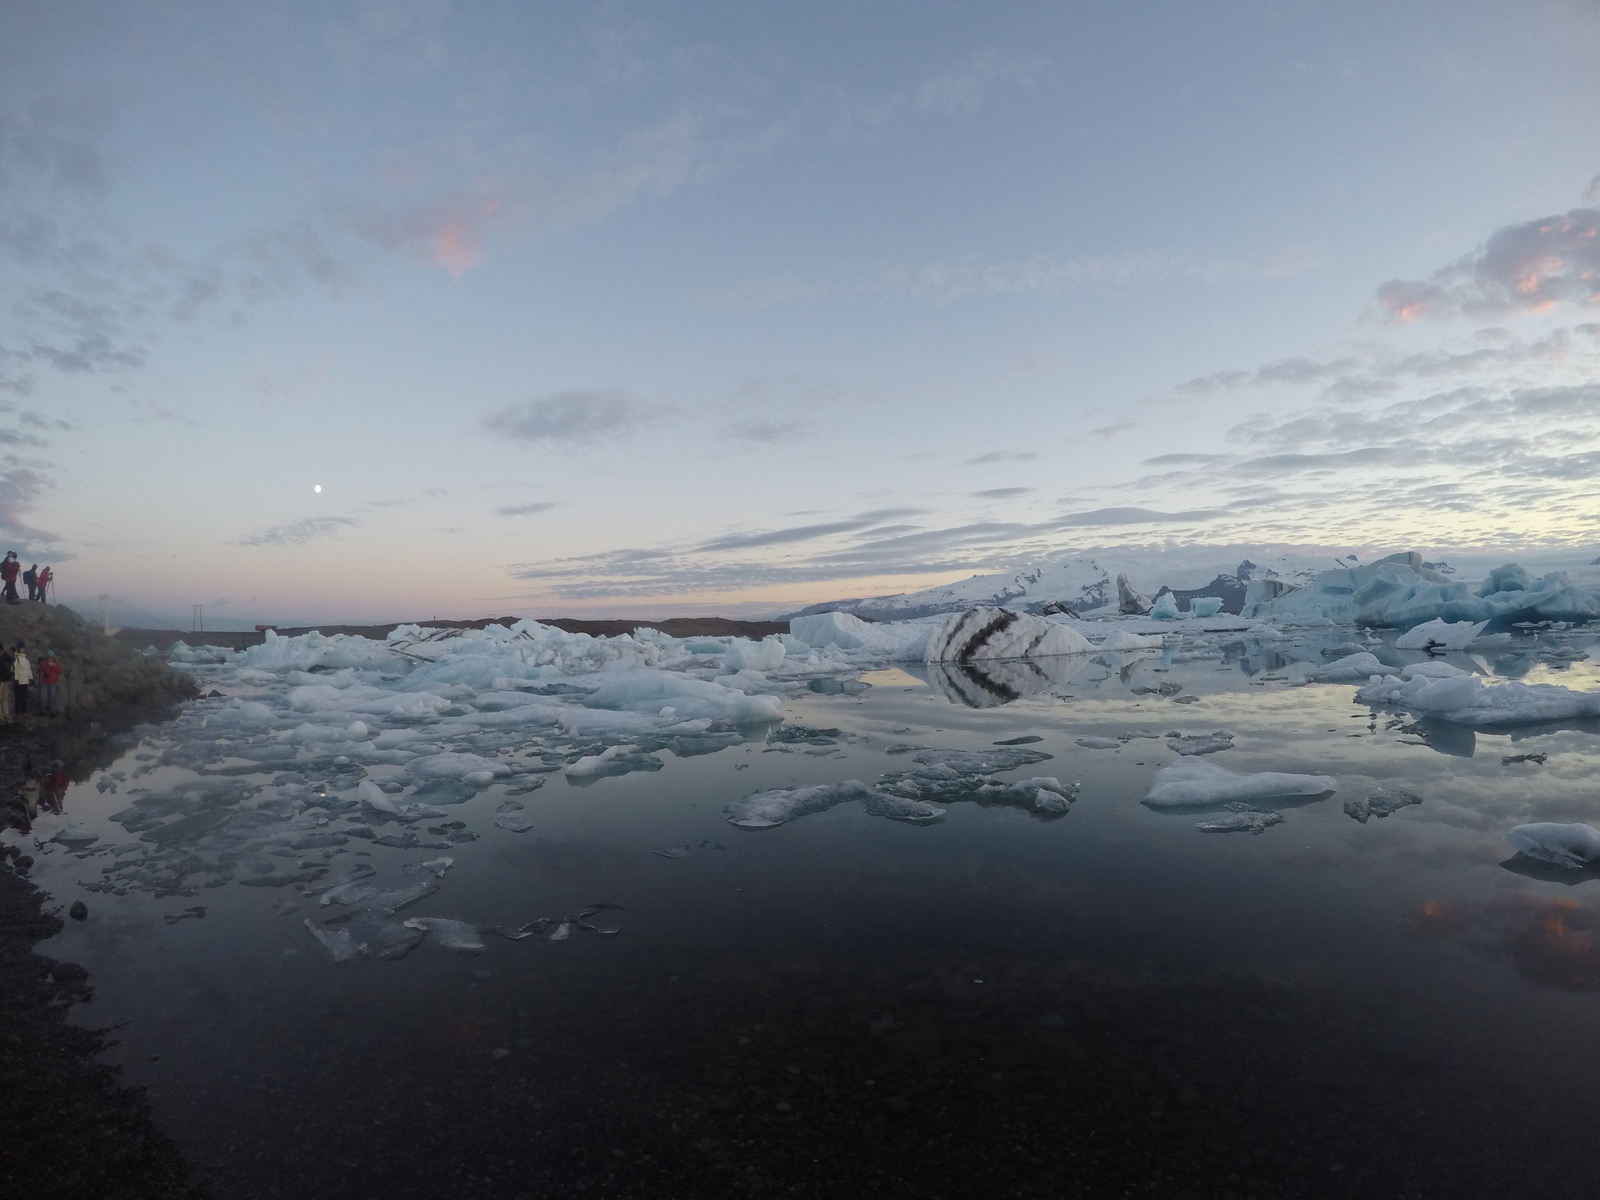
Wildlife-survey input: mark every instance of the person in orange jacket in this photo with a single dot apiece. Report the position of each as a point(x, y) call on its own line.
point(49, 683)
point(46, 578)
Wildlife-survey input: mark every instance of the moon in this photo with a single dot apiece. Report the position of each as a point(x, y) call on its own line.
point(316, 487)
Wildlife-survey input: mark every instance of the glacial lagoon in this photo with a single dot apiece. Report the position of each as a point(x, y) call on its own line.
point(570, 972)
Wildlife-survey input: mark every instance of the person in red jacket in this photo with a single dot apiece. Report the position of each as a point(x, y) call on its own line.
point(46, 578)
point(49, 683)
point(10, 568)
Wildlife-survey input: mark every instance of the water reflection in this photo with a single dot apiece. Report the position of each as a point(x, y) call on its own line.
point(993, 682)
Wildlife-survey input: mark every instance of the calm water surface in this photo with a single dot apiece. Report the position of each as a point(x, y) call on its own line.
point(1107, 1003)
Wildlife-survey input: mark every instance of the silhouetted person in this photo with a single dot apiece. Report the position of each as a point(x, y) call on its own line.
point(46, 578)
point(31, 578)
point(10, 568)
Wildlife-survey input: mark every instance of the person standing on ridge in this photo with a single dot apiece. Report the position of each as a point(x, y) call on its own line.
point(10, 568)
point(49, 683)
point(46, 578)
point(21, 677)
point(7, 702)
point(31, 578)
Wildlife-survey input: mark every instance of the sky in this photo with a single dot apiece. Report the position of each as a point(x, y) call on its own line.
point(654, 308)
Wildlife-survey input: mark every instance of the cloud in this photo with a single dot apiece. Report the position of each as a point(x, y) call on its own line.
point(805, 533)
point(766, 430)
point(1116, 427)
point(1135, 516)
point(1000, 456)
point(299, 532)
point(1004, 493)
point(574, 417)
point(525, 510)
point(20, 489)
point(1529, 267)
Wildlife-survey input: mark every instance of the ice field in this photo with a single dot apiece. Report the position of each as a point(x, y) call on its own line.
point(523, 906)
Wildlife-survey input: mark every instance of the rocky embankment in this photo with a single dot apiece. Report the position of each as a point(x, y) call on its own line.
point(102, 675)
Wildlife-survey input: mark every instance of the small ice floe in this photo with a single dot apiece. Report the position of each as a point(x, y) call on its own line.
point(1026, 739)
point(910, 809)
point(374, 797)
point(982, 762)
point(1201, 743)
point(513, 823)
point(75, 837)
point(1241, 818)
point(1380, 803)
point(434, 866)
point(393, 940)
point(1538, 759)
point(1144, 733)
point(775, 806)
point(1194, 781)
point(614, 760)
point(337, 942)
point(364, 895)
point(283, 908)
point(671, 852)
point(506, 806)
point(1121, 639)
point(460, 936)
point(1352, 668)
point(1098, 743)
point(1464, 700)
point(1575, 846)
point(1439, 635)
point(194, 913)
point(561, 932)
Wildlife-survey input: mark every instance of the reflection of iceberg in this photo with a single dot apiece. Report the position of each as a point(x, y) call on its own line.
point(988, 683)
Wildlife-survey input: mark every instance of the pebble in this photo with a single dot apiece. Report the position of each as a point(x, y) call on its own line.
point(79, 911)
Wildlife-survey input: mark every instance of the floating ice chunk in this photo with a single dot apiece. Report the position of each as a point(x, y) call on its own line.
point(1572, 846)
point(461, 936)
point(774, 806)
point(1139, 733)
point(1130, 600)
point(1202, 743)
point(744, 654)
point(1241, 818)
point(1205, 606)
point(513, 823)
point(672, 852)
point(1194, 781)
point(1353, 668)
point(1464, 700)
point(1121, 639)
point(434, 866)
point(647, 690)
point(394, 940)
point(364, 895)
point(985, 633)
point(1439, 635)
point(457, 766)
point(902, 808)
point(1431, 670)
point(1380, 803)
point(1165, 608)
point(337, 942)
point(1098, 743)
point(1045, 795)
point(373, 796)
point(75, 837)
point(614, 760)
point(982, 762)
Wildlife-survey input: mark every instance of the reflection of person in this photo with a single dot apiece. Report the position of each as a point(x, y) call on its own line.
point(30, 797)
point(46, 578)
point(55, 786)
point(21, 677)
point(49, 683)
point(10, 568)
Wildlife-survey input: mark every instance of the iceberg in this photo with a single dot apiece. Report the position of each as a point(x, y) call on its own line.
point(1465, 700)
point(1380, 803)
point(460, 936)
point(775, 806)
point(1353, 668)
point(1574, 846)
point(1440, 635)
point(1241, 818)
point(1121, 639)
point(1130, 600)
point(1165, 608)
point(1194, 781)
point(988, 633)
point(1400, 592)
point(743, 654)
